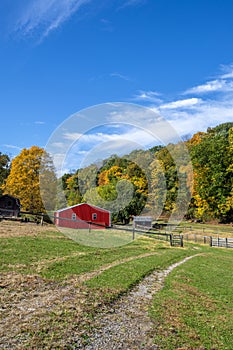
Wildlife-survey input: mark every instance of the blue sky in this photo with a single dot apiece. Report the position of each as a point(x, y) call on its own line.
point(58, 57)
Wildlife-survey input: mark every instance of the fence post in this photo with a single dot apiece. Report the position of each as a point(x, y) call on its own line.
point(171, 240)
point(211, 243)
point(181, 241)
point(42, 220)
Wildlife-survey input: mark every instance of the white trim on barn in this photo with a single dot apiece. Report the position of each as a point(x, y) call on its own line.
point(76, 205)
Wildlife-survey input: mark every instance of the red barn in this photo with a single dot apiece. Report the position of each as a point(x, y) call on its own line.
point(83, 216)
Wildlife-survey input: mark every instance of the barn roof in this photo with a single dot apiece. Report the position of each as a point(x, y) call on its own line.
point(80, 204)
point(12, 197)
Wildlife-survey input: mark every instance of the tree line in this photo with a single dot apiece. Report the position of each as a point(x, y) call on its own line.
point(145, 181)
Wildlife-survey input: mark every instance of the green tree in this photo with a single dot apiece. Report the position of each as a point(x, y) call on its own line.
point(48, 182)
point(72, 191)
point(169, 169)
point(212, 159)
point(124, 187)
point(4, 169)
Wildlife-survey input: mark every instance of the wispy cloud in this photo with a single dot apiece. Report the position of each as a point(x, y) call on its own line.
point(39, 18)
point(93, 148)
point(44, 16)
point(190, 102)
point(39, 122)
point(227, 71)
point(120, 76)
point(213, 106)
point(132, 3)
point(216, 85)
point(116, 127)
point(11, 150)
point(147, 96)
point(208, 114)
point(222, 83)
point(17, 148)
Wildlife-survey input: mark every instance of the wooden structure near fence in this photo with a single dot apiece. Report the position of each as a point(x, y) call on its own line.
point(221, 242)
point(177, 240)
point(9, 206)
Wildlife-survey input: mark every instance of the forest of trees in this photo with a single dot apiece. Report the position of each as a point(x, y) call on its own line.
point(142, 180)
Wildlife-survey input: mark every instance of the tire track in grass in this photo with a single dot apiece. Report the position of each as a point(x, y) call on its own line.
point(127, 325)
point(30, 296)
point(89, 275)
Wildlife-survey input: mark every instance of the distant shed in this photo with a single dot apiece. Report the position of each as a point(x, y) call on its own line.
point(9, 206)
point(142, 221)
point(83, 215)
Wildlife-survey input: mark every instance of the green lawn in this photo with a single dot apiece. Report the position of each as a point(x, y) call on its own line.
point(99, 238)
point(123, 276)
point(208, 229)
point(195, 309)
point(59, 257)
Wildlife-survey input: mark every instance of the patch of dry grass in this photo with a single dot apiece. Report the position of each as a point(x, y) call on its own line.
point(20, 229)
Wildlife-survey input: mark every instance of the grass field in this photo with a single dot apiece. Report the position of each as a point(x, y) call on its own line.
point(195, 308)
point(106, 238)
point(207, 229)
point(51, 286)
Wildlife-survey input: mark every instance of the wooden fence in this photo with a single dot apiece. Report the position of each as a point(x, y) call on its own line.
point(221, 242)
point(193, 237)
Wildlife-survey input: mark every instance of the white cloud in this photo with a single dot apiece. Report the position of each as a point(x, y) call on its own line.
point(38, 18)
point(44, 16)
point(121, 76)
point(147, 96)
point(72, 136)
point(208, 113)
point(193, 114)
point(228, 71)
point(133, 135)
point(210, 86)
point(222, 83)
point(228, 75)
point(93, 148)
point(38, 122)
point(132, 3)
point(13, 147)
point(11, 150)
point(137, 127)
point(190, 102)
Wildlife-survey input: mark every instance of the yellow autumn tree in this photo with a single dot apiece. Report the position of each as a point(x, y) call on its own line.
point(23, 181)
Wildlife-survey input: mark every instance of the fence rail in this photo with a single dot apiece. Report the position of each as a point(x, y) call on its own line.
point(221, 242)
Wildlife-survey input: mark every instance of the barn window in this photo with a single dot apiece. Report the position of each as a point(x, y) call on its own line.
point(94, 216)
point(73, 216)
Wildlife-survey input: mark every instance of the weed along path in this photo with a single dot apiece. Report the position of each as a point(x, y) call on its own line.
point(126, 325)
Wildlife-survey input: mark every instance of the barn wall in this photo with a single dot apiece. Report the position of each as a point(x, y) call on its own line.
point(83, 213)
point(9, 206)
